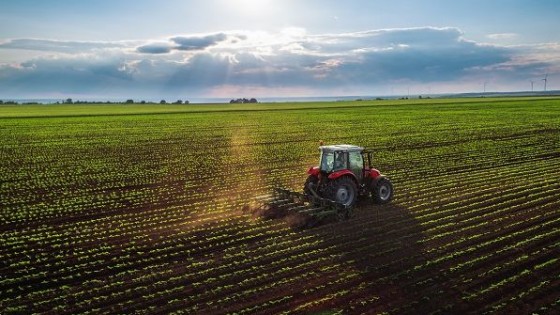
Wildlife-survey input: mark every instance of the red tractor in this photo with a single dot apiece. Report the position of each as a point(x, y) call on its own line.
point(343, 175)
point(332, 188)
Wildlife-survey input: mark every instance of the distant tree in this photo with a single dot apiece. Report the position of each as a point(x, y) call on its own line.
point(129, 101)
point(178, 102)
point(243, 101)
point(1, 102)
point(68, 101)
point(186, 102)
point(142, 102)
point(163, 102)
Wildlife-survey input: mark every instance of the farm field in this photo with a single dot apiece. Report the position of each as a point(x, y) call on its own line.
point(142, 209)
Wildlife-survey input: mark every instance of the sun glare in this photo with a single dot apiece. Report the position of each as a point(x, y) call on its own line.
point(250, 7)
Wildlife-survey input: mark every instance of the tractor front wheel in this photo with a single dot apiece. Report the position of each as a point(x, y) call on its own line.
point(382, 191)
point(343, 190)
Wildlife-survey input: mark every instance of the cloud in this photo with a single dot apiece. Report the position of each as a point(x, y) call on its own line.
point(188, 43)
point(360, 62)
point(57, 45)
point(198, 43)
point(502, 36)
point(427, 54)
point(155, 48)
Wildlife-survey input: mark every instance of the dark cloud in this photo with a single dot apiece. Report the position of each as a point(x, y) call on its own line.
point(188, 43)
point(424, 62)
point(198, 43)
point(155, 48)
point(72, 76)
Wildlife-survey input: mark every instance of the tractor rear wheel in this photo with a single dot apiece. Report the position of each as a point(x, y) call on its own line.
point(382, 191)
point(343, 190)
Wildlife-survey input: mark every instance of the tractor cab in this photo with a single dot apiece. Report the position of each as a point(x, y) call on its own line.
point(336, 158)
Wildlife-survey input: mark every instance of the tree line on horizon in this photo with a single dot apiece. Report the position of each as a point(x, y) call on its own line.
point(128, 101)
point(243, 101)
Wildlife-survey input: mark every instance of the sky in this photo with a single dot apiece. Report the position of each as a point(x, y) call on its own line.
point(148, 49)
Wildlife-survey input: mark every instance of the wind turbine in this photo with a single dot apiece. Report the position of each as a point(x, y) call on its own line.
point(532, 82)
point(545, 80)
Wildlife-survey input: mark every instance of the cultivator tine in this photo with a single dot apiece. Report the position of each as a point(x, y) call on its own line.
point(283, 193)
point(264, 198)
point(311, 211)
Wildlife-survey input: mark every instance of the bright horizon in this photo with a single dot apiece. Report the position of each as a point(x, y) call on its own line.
point(247, 48)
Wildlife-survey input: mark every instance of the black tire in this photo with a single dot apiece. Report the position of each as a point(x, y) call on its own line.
point(382, 191)
point(343, 190)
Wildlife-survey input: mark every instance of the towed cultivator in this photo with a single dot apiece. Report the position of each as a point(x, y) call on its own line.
point(300, 210)
point(331, 190)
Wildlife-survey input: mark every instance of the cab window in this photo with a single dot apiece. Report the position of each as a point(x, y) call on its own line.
point(340, 162)
point(356, 160)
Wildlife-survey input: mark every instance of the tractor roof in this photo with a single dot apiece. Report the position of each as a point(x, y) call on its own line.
point(341, 147)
